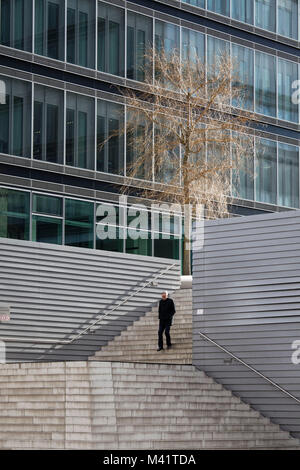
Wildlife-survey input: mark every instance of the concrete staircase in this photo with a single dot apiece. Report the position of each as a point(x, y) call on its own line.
point(138, 343)
point(113, 405)
point(128, 396)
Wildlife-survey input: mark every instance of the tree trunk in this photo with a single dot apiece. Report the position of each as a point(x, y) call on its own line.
point(187, 243)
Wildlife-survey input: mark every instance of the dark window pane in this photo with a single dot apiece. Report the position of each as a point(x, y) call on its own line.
point(18, 125)
point(110, 142)
point(16, 24)
point(79, 223)
point(111, 39)
point(18, 42)
point(80, 131)
point(49, 28)
point(38, 131)
point(4, 124)
point(166, 247)
point(83, 39)
point(39, 27)
point(71, 36)
point(47, 205)
point(70, 137)
point(52, 133)
point(5, 22)
point(138, 242)
point(48, 124)
point(14, 214)
point(81, 17)
point(46, 230)
point(53, 30)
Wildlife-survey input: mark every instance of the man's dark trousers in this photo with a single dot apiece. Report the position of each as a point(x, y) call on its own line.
point(164, 326)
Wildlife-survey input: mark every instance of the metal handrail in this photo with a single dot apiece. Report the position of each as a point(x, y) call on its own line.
point(70, 341)
point(249, 367)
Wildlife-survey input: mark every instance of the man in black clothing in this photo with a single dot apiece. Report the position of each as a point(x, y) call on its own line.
point(166, 310)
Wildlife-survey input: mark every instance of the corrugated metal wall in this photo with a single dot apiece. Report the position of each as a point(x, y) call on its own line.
point(54, 292)
point(247, 281)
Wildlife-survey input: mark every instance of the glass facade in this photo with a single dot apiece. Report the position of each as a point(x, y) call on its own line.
point(85, 224)
point(277, 16)
point(56, 124)
point(92, 136)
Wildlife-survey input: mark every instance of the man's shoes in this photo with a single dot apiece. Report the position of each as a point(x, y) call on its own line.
point(160, 349)
point(169, 346)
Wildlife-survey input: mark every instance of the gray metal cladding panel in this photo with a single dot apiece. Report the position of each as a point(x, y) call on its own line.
point(55, 292)
point(246, 298)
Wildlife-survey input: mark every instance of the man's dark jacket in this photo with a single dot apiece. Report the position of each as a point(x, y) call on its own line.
point(166, 309)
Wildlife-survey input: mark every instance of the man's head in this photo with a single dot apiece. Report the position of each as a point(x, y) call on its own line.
point(164, 295)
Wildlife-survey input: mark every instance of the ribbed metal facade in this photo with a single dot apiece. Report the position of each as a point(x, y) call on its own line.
point(246, 298)
point(54, 292)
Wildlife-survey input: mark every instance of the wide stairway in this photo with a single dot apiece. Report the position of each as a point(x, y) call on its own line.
point(138, 343)
point(128, 396)
point(113, 405)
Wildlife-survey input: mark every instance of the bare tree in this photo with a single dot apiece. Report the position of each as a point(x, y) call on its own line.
point(187, 134)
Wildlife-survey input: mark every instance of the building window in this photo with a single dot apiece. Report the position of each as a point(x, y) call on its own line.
point(79, 223)
point(166, 37)
point(110, 140)
point(288, 175)
point(15, 117)
point(219, 6)
point(287, 74)
point(192, 45)
point(48, 124)
point(265, 14)
point(139, 40)
point(266, 171)
point(242, 10)
point(14, 214)
point(287, 14)
point(81, 32)
point(196, 3)
point(166, 246)
point(265, 84)
point(243, 177)
point(80, 131)
point(138, 242)
point(216, 47)
point(111, 39)
point(49, 28)
point(16, 24)
point(47, 219)
point(244, 64)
